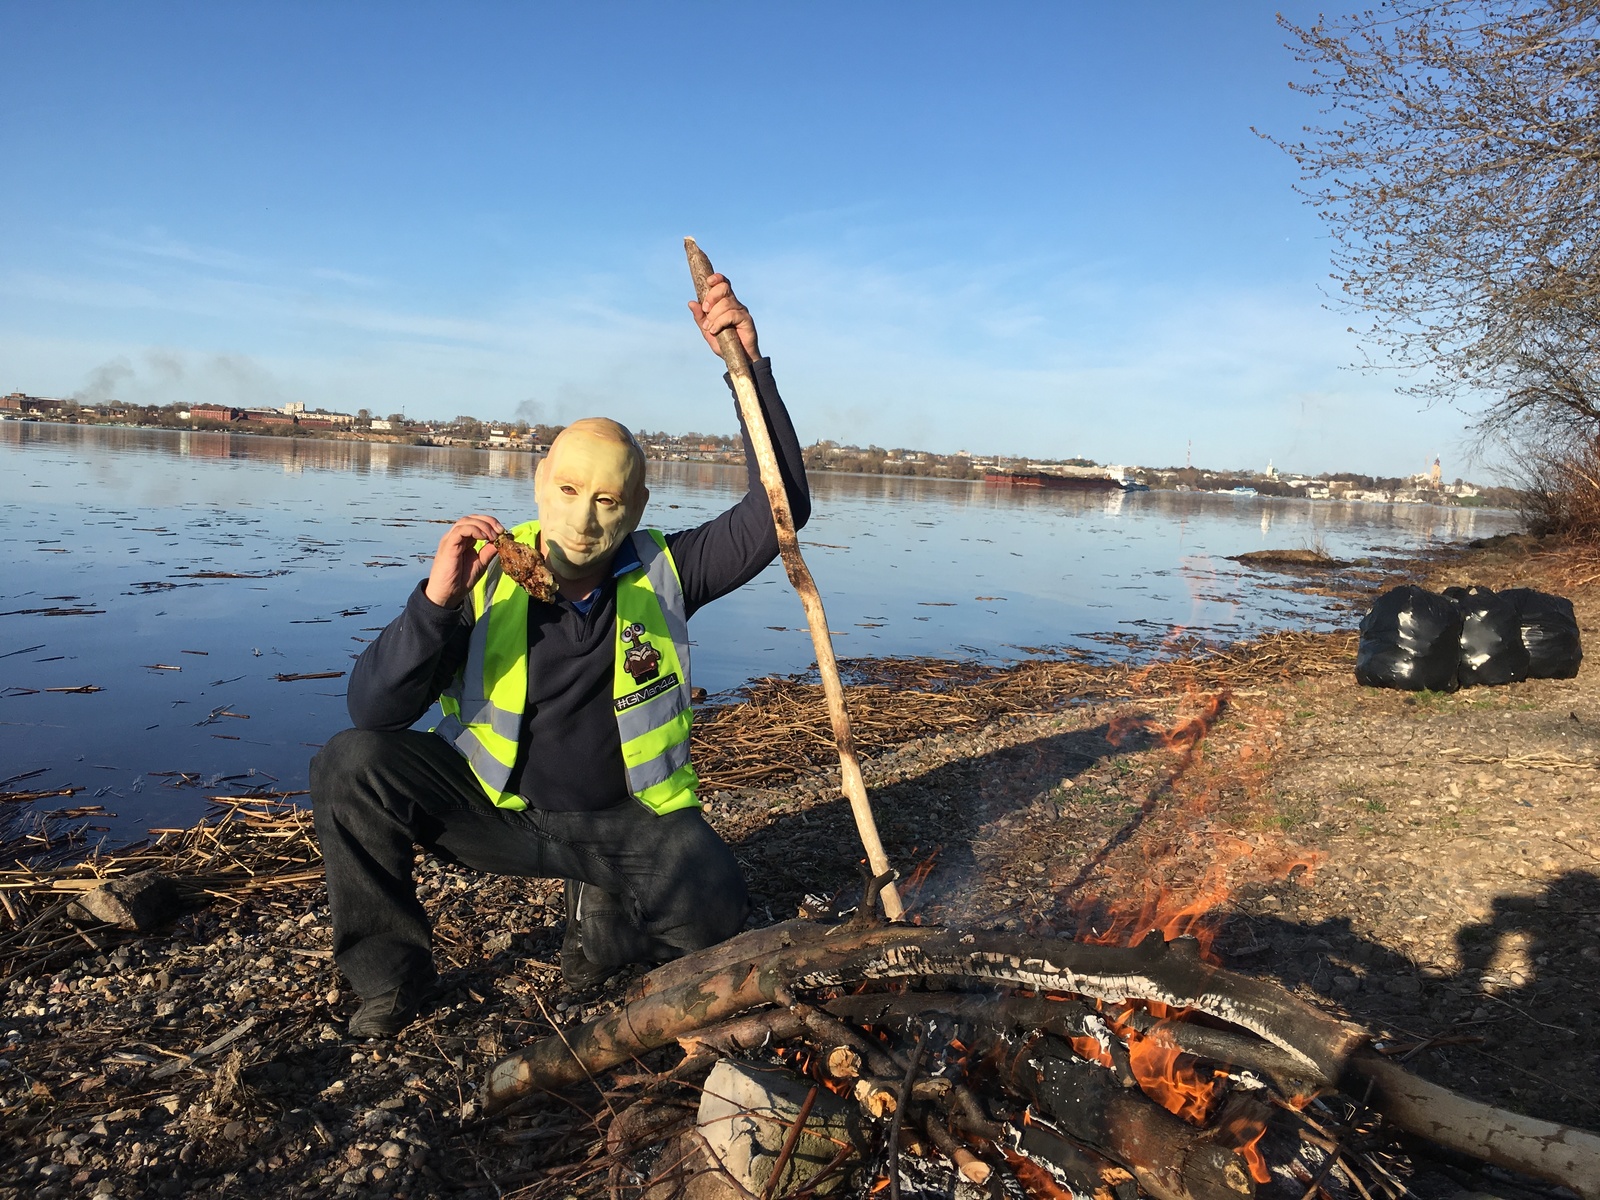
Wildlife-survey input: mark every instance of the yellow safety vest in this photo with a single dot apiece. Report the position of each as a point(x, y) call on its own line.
point(483, 706)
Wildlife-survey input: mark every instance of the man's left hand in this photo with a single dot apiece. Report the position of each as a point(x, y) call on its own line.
point(722, 310)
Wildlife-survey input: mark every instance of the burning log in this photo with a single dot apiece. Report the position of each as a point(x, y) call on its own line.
point(1071, 1021)
point(1086, 1173)
point(1169, 1159)
point(1095, 999)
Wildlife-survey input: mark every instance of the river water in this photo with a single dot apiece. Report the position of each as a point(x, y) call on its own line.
point(182, 573)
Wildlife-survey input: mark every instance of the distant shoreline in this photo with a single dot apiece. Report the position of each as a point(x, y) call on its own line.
point(728, 458)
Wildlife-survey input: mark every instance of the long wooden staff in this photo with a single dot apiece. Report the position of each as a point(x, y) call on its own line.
point(744, 387)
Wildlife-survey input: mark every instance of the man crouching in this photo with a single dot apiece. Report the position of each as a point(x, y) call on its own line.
point(564, 750)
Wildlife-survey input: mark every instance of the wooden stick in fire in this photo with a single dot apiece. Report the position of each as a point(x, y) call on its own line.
point(744, 387)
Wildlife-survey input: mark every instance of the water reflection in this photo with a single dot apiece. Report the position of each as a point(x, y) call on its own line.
point(196, 577)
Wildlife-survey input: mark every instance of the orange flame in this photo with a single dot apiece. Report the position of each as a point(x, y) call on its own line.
point(1184, 735)
point(1171, 1079)
point(1173, 638)
point(1243, 1133)
point(911, 890)
point(1162, 910)
point(1089, 1048)
point(1035, 1180)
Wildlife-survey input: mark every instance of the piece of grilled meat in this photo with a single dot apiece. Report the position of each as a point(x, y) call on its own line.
point(526, 565)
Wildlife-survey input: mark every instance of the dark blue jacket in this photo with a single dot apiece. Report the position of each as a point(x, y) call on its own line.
point(570, 756)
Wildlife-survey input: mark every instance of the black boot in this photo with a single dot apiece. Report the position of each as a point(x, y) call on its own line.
point(386, 1014)
point(578, 973)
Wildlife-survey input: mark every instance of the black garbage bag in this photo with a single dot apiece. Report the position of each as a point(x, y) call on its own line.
point(1549, 632)
point(1491, 638)
point(1410, 640)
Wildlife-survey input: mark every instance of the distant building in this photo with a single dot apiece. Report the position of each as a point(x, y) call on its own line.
point(268, 416)
point(215, 412)
point(18, 403)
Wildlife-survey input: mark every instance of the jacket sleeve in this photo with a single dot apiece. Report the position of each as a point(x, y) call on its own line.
point(730, 550)
point(401, 673)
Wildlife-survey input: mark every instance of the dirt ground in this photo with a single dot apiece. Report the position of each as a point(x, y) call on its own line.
point(1426, 865)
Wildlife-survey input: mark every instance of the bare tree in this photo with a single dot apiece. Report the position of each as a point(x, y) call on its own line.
point(1457, 166)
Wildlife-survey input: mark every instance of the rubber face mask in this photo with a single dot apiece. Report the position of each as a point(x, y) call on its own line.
point(587, 500)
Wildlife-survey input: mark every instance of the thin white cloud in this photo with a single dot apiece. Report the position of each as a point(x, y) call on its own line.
point(348, 278)
point(1045, 359)
point(157, 244)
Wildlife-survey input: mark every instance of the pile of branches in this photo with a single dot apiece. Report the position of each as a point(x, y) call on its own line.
point(1002, 1053)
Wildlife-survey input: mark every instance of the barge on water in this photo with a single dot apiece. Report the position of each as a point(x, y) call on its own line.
point(1051, 481)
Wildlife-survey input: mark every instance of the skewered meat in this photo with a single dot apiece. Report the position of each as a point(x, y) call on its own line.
point(526, 565)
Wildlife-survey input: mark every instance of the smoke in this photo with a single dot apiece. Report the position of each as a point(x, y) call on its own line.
point(166, 366)
point(170, 377)
point(104, 382)
point(532, 412)
point(244, 380)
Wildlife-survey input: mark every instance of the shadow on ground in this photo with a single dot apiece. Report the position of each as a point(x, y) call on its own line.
point(1514, 1026)
point(940, 814)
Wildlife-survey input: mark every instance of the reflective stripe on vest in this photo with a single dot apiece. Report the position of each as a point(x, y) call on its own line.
point(483, 706)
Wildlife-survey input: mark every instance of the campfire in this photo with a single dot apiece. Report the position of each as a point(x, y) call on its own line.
point(859, 1057)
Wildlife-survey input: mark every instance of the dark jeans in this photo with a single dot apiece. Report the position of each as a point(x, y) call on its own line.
point(672, 885)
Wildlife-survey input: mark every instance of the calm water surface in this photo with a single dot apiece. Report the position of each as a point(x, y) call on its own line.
point(182, 572)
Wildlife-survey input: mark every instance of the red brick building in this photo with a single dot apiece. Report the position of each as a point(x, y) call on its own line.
point(214, 412)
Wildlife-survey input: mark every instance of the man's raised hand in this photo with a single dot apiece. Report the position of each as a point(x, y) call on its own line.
point(722, 310)
point(458, 562)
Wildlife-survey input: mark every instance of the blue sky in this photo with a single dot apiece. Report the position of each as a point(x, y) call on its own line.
point(1032, 229)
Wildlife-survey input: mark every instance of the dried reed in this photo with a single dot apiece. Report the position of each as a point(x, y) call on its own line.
point(771, 731)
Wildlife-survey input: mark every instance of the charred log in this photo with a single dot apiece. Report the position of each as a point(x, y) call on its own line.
point(1086, 1173)
point(1069, 1019)
point(1170, 1160)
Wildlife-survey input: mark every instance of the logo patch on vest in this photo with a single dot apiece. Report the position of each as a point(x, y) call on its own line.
point(640, 659)
point(634, 699)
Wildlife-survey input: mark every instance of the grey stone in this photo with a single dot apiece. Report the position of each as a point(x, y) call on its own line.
point(496, 943)
point(138, 903)
point(746, 1113)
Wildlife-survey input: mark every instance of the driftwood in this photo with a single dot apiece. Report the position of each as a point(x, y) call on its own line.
point(1544, 1149)
point(1170, 973)
point(1291, 1040)
point(853, 783)
point(760, 1030)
